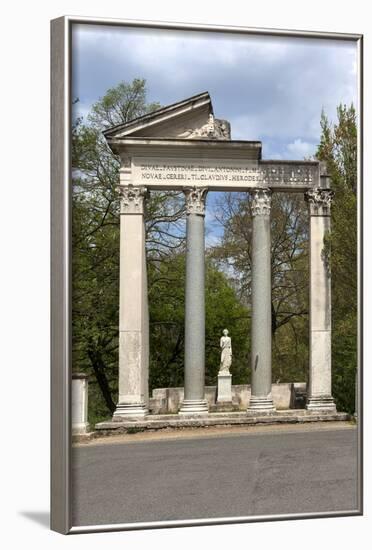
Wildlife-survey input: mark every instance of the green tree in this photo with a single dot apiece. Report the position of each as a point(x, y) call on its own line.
point(289, 254)
point(167, 310)
point(95, 269)
point(95, 240)
point(338, 147)
point(120, 104)
point(225, 310)
point(289, 267)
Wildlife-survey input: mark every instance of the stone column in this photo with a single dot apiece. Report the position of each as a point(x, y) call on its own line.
point(319, 391)
point(133, 310)
point(261, 398)
point(79, 403)
point(194, 398)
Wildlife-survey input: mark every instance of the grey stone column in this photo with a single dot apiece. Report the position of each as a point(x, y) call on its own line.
point(133, 310)
point(261, 398)
point(194, 398)
point(319, 392)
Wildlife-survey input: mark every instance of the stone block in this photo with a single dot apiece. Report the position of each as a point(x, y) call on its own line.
point(224, 394)
point(285, 395)
point(79, 403)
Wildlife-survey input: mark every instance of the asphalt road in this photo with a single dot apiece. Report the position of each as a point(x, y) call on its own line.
point(237, 475)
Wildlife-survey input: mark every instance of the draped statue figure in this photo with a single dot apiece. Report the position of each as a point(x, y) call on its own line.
point(226, 352)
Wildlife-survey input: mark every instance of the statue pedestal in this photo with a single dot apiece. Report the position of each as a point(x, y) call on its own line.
point(224, 394)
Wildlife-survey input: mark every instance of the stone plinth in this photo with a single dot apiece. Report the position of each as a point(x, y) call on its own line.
point(160, 422)
point(224, 393)
point(285, 396)
point(79, 403)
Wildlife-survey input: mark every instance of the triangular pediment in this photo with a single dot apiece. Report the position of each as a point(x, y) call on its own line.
point(191, 118)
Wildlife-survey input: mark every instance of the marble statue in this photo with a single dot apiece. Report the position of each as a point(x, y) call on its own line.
point(226, 353)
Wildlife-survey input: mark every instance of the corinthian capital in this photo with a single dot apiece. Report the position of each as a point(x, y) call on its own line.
point(195, 200)
point(261, 202)
point(132, 199)
point(319, 201)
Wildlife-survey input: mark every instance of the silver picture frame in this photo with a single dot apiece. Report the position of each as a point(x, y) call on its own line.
point(61, 369)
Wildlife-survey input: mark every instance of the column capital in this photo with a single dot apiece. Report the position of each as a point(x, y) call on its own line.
point(132, 199)
point(195, 200)
point(261, 202)
point(319, 201)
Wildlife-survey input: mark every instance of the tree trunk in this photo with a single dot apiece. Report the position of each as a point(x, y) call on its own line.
point(274, 324)
point(99, 372)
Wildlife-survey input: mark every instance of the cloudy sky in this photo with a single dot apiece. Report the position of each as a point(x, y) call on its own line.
point(271, 89)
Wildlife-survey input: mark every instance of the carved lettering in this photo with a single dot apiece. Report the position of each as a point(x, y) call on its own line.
point(216, 173)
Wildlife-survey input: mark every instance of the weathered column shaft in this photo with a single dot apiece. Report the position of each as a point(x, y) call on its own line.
point(194, 309)
point(320, 367)
point(133, 311)
point(194, 399)
point(261, 398)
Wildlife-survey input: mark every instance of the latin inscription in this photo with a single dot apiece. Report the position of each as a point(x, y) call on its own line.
point(194, 173)
point(223, 174)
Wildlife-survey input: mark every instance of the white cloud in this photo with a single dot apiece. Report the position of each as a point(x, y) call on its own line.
point(270, 88)
point(301, 149)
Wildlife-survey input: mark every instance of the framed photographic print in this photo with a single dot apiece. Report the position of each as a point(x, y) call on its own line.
point(206, 282)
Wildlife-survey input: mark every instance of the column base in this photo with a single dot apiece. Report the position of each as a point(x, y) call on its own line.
point(193, 406)
point(322, 402)
point(261, 404)
point(130, 410)
point(80, 429)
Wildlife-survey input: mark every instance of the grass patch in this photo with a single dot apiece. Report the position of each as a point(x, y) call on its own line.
point(135, 430)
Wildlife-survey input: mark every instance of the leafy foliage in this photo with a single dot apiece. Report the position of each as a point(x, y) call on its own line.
point(95, 240)
point(338, 147)
point(120, 104)
point(167, 308)
point(289, 266)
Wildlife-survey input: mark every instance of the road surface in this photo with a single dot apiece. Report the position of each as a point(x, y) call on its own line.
point(287, 472)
